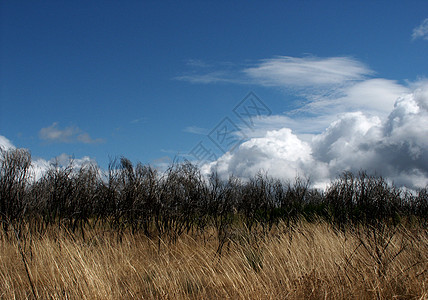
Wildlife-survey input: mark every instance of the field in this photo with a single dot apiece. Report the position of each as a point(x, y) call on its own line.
point(307, 261)
point(135, 232)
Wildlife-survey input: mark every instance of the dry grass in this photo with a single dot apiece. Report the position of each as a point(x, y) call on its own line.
point(312, 261)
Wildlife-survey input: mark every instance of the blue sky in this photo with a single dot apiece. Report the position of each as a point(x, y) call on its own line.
point(150, 79)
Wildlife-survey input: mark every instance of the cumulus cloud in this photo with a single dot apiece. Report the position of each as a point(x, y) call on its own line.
point(69, 134)
point(421, 32)
point(280, 153)
point(395, 147)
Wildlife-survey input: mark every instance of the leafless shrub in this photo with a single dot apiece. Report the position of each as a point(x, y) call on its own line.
point(14, 174)
point(139, 198)
point(182, 200)
point(363, 199)
point(221, 208)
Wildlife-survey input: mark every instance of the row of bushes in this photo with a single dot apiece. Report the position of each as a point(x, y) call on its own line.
point(142, 199)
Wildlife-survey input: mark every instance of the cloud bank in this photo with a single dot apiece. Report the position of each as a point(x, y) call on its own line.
point(395, 147)
point(350, 120)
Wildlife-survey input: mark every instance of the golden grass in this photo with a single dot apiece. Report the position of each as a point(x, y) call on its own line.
point(312, 261)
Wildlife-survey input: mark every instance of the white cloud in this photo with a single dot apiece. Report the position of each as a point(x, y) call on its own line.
point(69, 134)
point(66, 159)
point(139, 120)
point(5, 144)
point(282, 71)
point(196, 130)
point(373, 96)
point(330, 85)
point(202, 72)
point(286, 71)
point(40, 166)
point(212, 77)
point(350, 121)
point(395, 147)
point(421, 32)
point(279, 152)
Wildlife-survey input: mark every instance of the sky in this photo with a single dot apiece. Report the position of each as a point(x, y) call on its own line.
point(291, 88)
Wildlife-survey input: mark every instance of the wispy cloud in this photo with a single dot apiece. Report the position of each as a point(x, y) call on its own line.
point(197, 63)
point(202, 72)
point(329, 85)
point(196, 130)
point(211, 77)
point(281, 71)
point(71, 134)
point(286, 71)
point(138, 120)
point(421, 32)
point(374, 96)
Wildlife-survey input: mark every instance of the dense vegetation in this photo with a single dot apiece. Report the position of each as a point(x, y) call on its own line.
point(134, 231)
point(167, 204)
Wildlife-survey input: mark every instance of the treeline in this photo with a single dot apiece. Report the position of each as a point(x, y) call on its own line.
point(139, 198)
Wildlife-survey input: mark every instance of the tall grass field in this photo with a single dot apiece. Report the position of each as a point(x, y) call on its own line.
point(307, 261)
